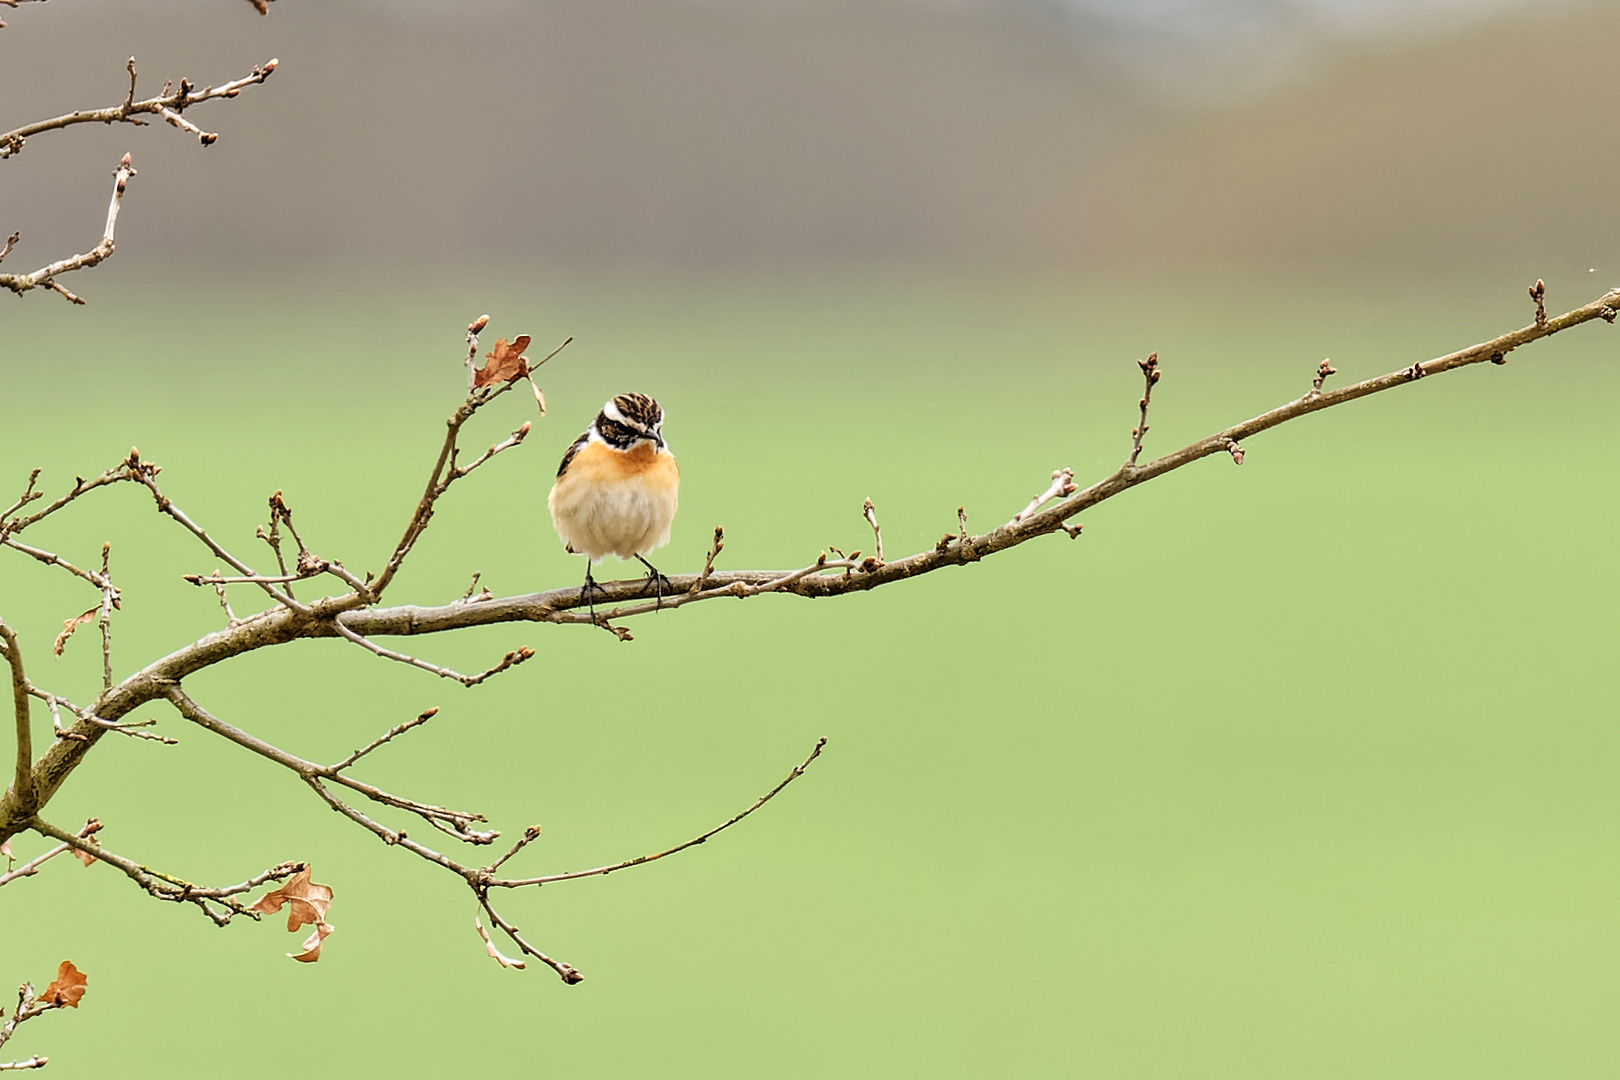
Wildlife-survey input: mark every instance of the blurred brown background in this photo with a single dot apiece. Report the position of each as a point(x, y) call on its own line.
point(737, 136)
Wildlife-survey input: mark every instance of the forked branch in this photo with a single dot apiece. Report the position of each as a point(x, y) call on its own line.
point(168, 106)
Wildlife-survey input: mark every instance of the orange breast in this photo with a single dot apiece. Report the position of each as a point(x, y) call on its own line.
point(612, 501)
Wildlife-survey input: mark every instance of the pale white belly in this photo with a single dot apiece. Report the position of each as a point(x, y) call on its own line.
point(626, 517)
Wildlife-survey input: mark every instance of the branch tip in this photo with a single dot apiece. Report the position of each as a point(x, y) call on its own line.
point(1150, 377)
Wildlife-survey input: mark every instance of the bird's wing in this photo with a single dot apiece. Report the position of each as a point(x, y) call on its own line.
point(572, 450)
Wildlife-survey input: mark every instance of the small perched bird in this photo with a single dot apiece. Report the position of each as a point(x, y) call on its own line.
point(617, 489)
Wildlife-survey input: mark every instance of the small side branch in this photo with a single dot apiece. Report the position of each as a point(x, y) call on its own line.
point(456, 823)
point(511, 659)
point(45, 276)
point(128, 469)
point(565, 971)
point(869, 512)
point(387, 736)
point(1062, 487)
point(219, 904)
point(1150, 376)
point(148, 476)
point(32, 866)
point(445, 471)
point(109, 601)
point(715, 549)
point(129, 110)
point(798, 771)
point(1323, 370)
point(29, 1006)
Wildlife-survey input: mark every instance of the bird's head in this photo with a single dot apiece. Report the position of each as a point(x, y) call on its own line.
point(630, 418)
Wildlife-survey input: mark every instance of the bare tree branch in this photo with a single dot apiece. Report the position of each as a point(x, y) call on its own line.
point(31, 867)
point(356, 617)
point(219, 904)
point(352, 614)
point(129, 111)
point(1150, 375)
point(28, 1007)
point(456, 823)
point(798, 771)
point(128, 469)
point(444, 471)
point(46, 275)
point(148, 476)
point(387, 736)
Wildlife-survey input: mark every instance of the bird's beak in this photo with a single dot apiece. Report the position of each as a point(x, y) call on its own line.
point(657, 438)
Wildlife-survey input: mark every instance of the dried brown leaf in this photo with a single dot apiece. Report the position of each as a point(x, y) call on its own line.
point(506, 364)
point(494, 953)
point(84, 856)
point(5, 849)
point(312, 944)
point(309, 901)
point(67, 988)
point(70, 625)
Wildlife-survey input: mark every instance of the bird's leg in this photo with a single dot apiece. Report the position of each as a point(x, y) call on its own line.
point(589, 587)
point(658, 580)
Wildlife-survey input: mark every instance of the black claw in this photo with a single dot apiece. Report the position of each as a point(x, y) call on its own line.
point(586, 590)
point(658, 580)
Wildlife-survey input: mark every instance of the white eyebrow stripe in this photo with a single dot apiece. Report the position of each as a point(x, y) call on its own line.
point(611, 411)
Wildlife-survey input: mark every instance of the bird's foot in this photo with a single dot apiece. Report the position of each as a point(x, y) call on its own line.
point(587, 589)
point(659, 582)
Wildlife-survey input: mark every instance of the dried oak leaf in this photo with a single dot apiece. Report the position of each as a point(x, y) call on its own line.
point(506, 364)
point(310, 901)
point(70, 625)
point(67, 988)
point(312, 944)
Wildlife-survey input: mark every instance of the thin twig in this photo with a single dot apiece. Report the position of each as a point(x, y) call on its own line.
point(798, 771)
point(129, 110)
point(869, 512)
point(128, 469)
point(32, 866)
point(567, 972)
point(456, 823)
point(386, 736)
point(167, 886)
point(51, 559)
point(167, 506)
point(1323, 370)
point(512, 659)
point(1062, 486)
point(1150, 375)
point(109, 600)
point(46, 275)
point(530, 835)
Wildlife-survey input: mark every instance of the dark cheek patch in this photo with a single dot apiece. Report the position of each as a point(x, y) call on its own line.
point(615, 433)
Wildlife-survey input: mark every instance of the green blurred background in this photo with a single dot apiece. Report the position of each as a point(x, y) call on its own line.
point(1299, 768)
